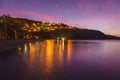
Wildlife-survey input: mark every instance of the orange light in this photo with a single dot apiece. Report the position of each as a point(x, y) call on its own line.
point(49, 55)
point(69, 49)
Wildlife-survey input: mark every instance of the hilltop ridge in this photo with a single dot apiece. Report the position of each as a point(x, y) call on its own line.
point(22, 28)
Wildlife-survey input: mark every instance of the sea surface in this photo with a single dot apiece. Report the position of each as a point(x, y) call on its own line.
point(62, 60)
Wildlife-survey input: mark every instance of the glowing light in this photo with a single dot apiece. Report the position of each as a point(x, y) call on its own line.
point(25, 49)
point(60, 53)
point(32, 55)
point(63, 39)
point(34, 30)
point(69, 50)
point(19, 50)
point(49, 55)
point(63, 43)
point(29, 30)
point(34, 24)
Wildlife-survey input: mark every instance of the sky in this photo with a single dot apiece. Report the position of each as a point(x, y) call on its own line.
point(103, 15)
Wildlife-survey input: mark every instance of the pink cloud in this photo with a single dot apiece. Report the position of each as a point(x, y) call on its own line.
point(109, 23)
point(32, 15)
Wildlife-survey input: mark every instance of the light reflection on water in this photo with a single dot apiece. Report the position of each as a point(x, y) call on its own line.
point(47, 54)
point(50, 54)
point(64, 60)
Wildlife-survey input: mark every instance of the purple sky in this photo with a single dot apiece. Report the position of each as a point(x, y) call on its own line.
point(101, 15)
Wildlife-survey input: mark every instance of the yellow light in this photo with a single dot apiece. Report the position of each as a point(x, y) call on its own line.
point(34, 24)
point(19, 50)
point(34, 30)
point(63, 39)
point(29, 30)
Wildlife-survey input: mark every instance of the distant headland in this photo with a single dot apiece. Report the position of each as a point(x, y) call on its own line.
point(21, 28)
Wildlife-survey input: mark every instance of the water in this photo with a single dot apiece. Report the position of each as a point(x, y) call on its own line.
point(63, 60)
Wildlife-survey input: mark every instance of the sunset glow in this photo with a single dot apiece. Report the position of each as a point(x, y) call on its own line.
point(103, 15)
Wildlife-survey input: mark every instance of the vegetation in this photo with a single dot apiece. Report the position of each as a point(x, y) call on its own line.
point(21, 28)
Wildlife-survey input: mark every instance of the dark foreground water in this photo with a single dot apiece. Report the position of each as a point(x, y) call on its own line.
point(62, 60)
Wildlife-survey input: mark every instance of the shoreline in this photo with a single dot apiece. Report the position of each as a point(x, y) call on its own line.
point(9, 44)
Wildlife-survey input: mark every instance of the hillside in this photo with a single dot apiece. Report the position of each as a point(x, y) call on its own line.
point(21, 28)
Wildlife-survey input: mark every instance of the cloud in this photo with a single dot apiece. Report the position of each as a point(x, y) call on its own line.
point(106, 23)
point(32, 15)
point(109, 23)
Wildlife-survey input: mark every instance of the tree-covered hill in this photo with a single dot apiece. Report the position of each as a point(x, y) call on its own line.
point(21, 28)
